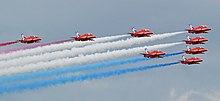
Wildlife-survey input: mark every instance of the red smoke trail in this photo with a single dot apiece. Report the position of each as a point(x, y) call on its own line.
point(8, 43)
point(33, 46)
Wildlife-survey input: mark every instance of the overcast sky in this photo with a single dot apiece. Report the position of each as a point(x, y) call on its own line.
point(59, 19)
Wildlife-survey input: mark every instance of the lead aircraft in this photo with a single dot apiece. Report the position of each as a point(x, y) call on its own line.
point(198, 29)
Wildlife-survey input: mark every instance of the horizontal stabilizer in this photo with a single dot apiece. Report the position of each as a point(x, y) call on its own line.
point(142, 53)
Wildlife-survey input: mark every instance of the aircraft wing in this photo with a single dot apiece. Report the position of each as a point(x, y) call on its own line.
point(130, 33)
point(142, 53)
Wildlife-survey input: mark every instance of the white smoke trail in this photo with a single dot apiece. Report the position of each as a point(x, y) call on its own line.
point(83, 50)
point(57, 47)
point(97, 57)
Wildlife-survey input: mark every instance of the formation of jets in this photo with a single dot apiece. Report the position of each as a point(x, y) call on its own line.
point(194, 41)
point(147, 33)
point(190, 41)
point(85, 36)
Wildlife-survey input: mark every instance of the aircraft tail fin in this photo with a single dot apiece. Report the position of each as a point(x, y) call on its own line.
point(190, 26)
point(22, 36)
point(183, 58)
point(77, 34)
point(187, 47)
point(134, 30)
point(188, 38)
point(146, 51)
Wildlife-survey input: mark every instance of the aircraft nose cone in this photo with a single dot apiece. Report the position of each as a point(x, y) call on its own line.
point(93, 37)
point(205, 39)
point(151, 32)
point(200, 60)
point(205, 49)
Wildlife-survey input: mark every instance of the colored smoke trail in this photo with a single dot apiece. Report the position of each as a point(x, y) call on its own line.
point(90, 49)
point(82, 77)
point(33, 46)
point(81, 60)
point(8, 43)
point(56, 47)
point(59, 71)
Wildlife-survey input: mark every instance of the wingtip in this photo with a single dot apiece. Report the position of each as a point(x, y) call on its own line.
point(142, 53)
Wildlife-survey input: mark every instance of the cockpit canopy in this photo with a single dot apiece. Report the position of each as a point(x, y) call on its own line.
point(205, 26)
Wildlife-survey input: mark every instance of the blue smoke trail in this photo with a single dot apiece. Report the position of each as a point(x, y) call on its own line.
point(83, 77)
point(59, 71)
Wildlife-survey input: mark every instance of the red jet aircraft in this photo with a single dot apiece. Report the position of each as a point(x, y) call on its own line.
point(192, 60)
point(196, 50)
point(196, 40)
point(30, 39)
point(198, 29)
point(141, 33)
point(153, 54)
point(84, 37)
